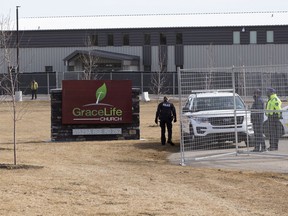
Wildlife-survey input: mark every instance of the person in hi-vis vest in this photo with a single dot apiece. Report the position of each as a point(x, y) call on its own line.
point(273, 107)
point(34, 88)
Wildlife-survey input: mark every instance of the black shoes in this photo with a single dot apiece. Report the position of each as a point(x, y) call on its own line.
point(258, 150)
point(255, 150)
point(171, 143)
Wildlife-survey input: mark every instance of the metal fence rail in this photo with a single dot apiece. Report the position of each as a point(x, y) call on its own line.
point(52, 80)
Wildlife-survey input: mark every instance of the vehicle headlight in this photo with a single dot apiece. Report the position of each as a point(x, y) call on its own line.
point(200, 120)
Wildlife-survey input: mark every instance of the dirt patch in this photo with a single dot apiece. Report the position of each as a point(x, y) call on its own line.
point(122, 177)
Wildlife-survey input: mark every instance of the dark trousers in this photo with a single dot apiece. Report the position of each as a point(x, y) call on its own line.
point(274, 132)
point(258, 134)
point(163, 125)
point(34, 94)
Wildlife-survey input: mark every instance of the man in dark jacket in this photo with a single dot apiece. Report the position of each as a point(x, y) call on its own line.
point(166, 113)
point(257, 118)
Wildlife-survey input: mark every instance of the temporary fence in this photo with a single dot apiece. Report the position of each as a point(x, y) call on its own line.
point(215, 110)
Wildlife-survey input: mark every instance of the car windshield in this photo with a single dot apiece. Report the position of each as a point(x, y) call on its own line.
point(217, 103)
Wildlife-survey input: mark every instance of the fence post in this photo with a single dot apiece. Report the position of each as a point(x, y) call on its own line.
point(48, 83)
point(173, 83)
point(142, 82)
point(182, 163)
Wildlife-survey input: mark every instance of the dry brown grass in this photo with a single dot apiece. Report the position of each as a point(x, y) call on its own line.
point(121, 177)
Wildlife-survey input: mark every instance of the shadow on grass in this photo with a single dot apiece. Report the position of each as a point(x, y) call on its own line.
point(26, 142)
point(175, 149)
point(158, 147)
point(6, 149)
point(19, 166)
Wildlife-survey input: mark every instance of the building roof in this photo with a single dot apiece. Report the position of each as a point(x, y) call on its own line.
point(102, 54)
point(155, 21)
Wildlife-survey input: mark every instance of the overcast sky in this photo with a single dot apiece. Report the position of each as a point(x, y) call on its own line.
point(36, 8)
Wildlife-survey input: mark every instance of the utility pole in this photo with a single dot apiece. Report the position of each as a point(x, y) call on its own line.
point(17, 41)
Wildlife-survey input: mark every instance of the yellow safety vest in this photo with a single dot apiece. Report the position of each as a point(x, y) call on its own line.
point(274, 103)
point(34, 85)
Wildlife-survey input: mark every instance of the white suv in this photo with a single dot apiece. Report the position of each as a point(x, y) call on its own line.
point(209, 117)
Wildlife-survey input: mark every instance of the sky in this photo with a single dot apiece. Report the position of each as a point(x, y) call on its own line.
point(35, 8)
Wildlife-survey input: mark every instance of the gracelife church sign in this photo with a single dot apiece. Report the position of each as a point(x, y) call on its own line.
point(96, 101)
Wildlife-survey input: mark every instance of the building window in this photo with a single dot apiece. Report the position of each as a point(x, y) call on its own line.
point(126, 39)
point(147, 68)
point(48, 68)
point(93, 40)
point(179, 39)
point(270, 36)
point(147, 39)
point(110, 39)
point(253, 37)
point(236, 37)
point(163, 40)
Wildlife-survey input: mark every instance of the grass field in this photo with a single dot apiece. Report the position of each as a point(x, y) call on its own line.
point(121, 177)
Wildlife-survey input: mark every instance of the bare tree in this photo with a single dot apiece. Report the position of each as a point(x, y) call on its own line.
point(159, 77)
point(89, 65)
point(211, 64)
point(241, 82)
point(90, 61)
point(9, 79)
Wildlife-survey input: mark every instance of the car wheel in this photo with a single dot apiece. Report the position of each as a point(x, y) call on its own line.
point(189, 139)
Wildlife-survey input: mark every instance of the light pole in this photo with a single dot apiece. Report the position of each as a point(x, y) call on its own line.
point(18, 93)
point(17, 44)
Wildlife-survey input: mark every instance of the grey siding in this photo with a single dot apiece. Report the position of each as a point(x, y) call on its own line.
point(234, 55)
point(35, 59)
point(169, 55)
point(171, 65)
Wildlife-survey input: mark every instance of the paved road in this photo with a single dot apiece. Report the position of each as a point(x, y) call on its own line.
point(275, 161)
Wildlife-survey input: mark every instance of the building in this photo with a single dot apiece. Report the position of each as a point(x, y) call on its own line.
point(151, 42)
point(184, 40)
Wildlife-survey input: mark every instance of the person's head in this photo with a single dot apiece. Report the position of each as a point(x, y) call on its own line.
point(257, 93)
point(165, 99)
point(270, 91)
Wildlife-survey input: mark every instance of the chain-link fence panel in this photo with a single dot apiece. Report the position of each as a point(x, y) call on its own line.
point(216, 110)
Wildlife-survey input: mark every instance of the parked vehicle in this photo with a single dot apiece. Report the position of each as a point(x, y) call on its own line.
point(209, 117)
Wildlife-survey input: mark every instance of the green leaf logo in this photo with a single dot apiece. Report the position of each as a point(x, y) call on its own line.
point(101, 93)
